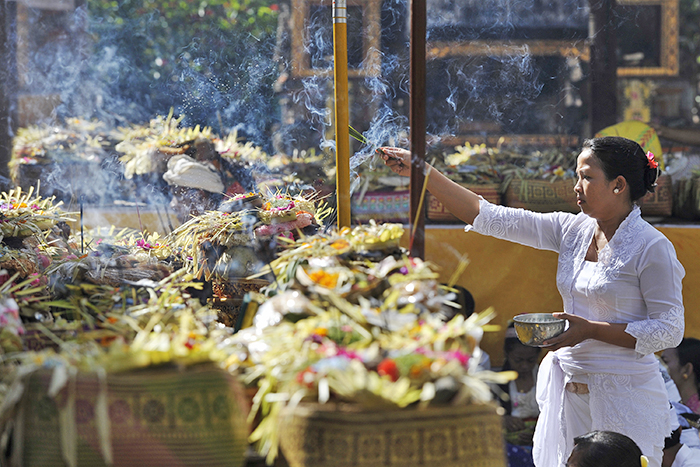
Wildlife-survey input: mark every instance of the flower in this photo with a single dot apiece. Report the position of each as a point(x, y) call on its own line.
point(651, 162)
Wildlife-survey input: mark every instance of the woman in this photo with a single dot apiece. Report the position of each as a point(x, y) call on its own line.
point(620, 282)
point(606, 449)
point(683, 365)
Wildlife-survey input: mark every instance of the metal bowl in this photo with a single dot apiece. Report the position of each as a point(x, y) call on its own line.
point(535, 328)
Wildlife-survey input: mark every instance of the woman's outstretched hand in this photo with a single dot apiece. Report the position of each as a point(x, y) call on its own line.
point(397, 159)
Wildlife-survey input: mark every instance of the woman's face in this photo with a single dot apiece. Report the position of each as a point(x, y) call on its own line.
point(594, 192)
point(670, 358)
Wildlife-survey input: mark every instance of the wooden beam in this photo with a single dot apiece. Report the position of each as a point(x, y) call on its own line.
point(603, 65)
point(417, 123)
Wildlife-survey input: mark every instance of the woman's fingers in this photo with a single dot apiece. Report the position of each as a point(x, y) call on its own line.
point(397, 159)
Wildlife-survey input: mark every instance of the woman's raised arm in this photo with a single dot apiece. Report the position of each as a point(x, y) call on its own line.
point(461, 202)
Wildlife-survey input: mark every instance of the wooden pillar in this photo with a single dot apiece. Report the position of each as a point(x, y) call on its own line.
point(7, 80)
point(417, 123)
point(603, 73)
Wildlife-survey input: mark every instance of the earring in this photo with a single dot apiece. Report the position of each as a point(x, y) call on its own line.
point(685, 375)
point(616, 190)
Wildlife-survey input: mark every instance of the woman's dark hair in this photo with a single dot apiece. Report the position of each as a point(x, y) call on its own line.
point(607, 449)
point(689, 352)
point(622, 156)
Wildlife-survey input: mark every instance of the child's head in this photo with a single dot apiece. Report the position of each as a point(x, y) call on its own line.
point(518, 356)
point(605, 449)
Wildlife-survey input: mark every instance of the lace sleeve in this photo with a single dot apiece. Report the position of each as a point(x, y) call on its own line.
point(660, 280)
point(654, 335)
point(538, 230)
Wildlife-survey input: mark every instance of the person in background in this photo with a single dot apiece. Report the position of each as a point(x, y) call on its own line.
point(677, 453)
point(683, 364)
point(518, 398)
point(689, 433)
point(606, 449)
point(196, 187)
point(621, 286)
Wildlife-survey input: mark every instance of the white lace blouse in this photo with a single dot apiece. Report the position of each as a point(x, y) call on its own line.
point(637, 280)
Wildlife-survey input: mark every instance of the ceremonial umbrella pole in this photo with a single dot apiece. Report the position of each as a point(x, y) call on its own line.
point(342, 132)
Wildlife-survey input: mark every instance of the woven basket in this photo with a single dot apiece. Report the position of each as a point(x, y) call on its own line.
point(686, 199)
point(541, 195)
point(157, 417)
point(228, 310)
point(382, 206)
point(236, 287)
point(437, 212)
point(346, 436)
point(660, 202)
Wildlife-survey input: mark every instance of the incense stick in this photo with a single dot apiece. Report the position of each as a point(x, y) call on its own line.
point(82, 238)
point(361, 138)
point(138, 214)
point(420, 206)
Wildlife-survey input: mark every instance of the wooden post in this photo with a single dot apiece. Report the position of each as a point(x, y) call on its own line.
point(7, 84)
point(417, 123)
point(342, 114)
point(603, 78)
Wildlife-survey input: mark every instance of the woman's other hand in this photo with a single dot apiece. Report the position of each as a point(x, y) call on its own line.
point(581, 329)
point(578, 331)
point(397, 159)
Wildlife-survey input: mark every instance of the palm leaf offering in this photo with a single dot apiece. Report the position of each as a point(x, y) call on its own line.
point(146, 149)
point(351, 318)
point(207, 243)
point(476, 164)
point(23, 213)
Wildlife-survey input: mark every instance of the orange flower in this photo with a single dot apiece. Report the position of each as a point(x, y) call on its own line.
point(324, 279)
point(340, 244)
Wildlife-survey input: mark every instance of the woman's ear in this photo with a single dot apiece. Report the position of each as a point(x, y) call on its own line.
point(620, 184)
point(689, 370)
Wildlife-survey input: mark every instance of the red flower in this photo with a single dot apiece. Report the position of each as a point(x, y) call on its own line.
point(651, 162)
point(387, 367)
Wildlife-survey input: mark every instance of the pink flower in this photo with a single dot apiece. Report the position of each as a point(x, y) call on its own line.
point(651, 162)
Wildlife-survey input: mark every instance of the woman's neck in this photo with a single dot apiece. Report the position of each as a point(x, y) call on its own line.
point(610, 224)
point(688, 392)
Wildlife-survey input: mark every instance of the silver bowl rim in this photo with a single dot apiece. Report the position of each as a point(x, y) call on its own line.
point(546, 318)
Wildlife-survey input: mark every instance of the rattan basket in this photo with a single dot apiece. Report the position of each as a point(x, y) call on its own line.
point(660, 202)
point(437, 212)
point(333, 435)
point(157, 417)
point(541, 195)
point(236, 287)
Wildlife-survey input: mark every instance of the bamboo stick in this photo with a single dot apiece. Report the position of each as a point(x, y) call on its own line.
point(342, 137)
